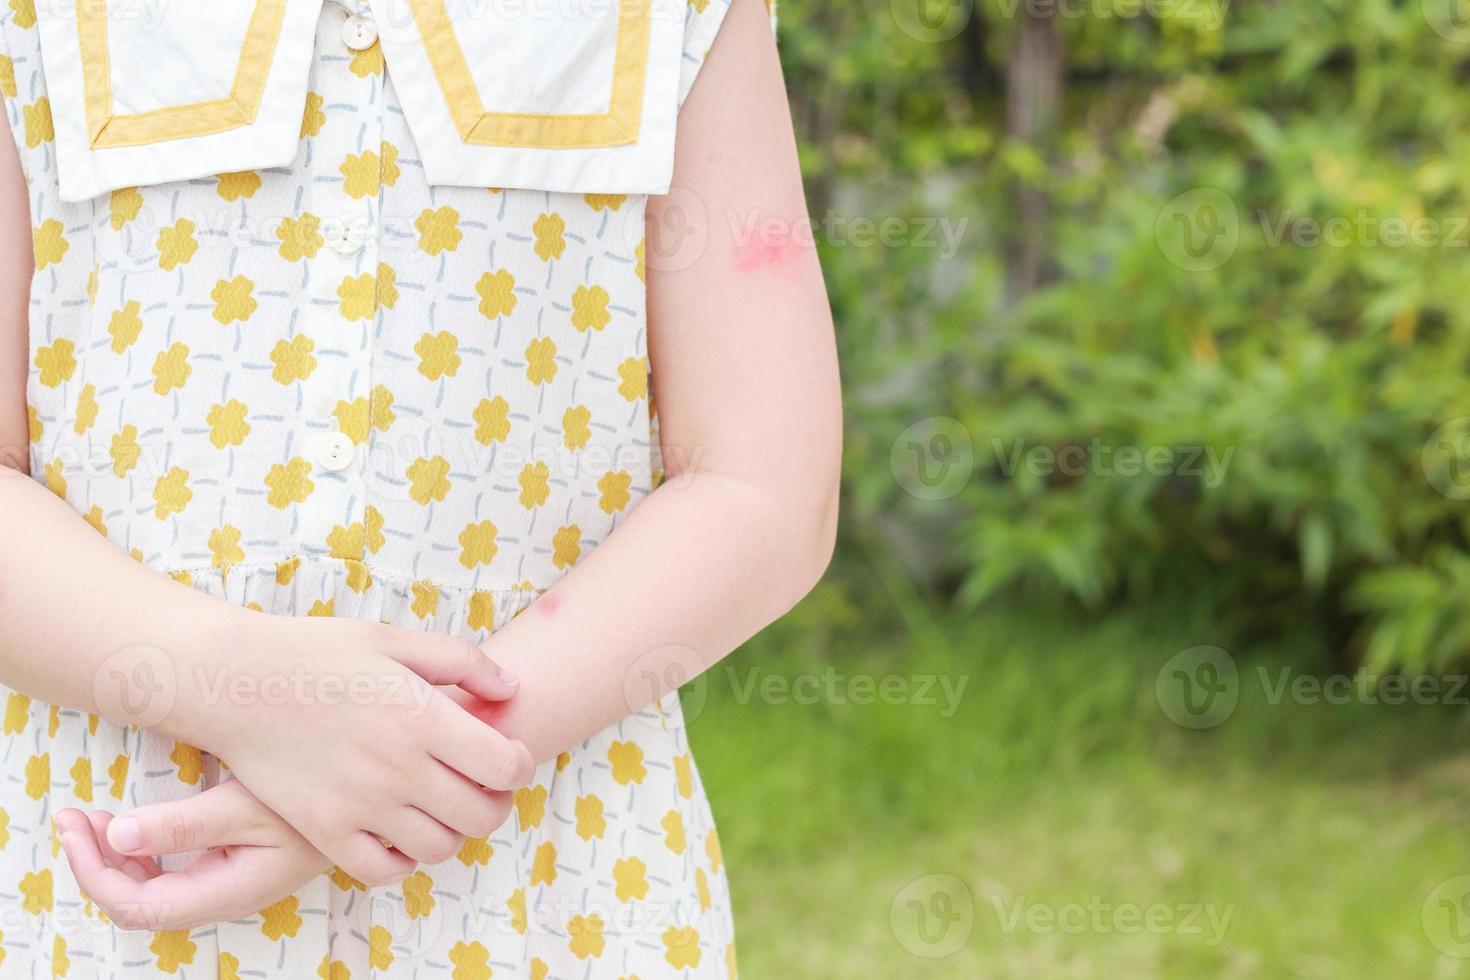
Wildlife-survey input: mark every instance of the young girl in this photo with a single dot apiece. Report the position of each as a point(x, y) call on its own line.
point(354, 571)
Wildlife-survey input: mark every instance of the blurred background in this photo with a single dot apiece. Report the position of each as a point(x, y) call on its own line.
point(1145, 650)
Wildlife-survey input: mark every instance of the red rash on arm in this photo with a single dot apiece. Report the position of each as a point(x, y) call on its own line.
point(548, 604)
point(774, 243)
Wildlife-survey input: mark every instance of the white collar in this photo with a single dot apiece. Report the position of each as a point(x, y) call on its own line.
point(598, 117)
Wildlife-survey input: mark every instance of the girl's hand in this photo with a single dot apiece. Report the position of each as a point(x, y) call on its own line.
point(335, 725)
point(255, 860)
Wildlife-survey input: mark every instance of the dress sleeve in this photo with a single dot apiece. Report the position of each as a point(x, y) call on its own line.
point(700, 28)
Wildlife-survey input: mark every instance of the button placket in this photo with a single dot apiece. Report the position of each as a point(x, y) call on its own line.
point(342, 346)
point(346, 235)
point(359, 31)
point(334, 451)
point(368, 254)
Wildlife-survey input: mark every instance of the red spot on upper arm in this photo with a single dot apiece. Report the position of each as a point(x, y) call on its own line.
point(771, 241)
point(548, 604)
point(756, 254)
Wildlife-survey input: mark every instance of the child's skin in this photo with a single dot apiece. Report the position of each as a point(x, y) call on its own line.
point(744, 367)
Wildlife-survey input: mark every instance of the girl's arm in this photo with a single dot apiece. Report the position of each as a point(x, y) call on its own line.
point(745, 375)
point(746, 385)
point(84, 626)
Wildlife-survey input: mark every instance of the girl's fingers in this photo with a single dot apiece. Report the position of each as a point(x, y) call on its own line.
point(365, 858)
point(127, 902)
point(447, 660)
point(479, 708)
point(225, 814)
point(462, 805)
point(137, 868)
point(418, 835)
point(223, 883)
point(467, 745)
point(228, 883)
point(70, 819)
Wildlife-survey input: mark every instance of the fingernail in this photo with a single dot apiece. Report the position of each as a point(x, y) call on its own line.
point(509, 679)
point(125, 834)
point(65, 842)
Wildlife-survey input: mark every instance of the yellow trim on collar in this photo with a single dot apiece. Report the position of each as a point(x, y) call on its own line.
point(616, 127)
point(105, 129)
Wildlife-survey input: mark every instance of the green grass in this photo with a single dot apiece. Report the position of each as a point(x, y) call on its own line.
point(1059, 784)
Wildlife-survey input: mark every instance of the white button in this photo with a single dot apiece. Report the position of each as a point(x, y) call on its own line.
point(347, 237)
point(334, 451)
point(359, 32)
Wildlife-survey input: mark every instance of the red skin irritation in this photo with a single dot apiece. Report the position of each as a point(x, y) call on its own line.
point(756, 255)
point(549, 604)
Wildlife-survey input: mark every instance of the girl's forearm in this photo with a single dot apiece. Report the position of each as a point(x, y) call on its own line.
point(75, 609)
point(744, 364)
point(700, 567)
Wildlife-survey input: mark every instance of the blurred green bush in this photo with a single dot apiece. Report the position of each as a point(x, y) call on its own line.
point(1243, 358)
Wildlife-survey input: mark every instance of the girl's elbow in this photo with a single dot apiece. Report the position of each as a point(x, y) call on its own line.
point(818, 540)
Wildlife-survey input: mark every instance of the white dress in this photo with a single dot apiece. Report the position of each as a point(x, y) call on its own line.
point(354, 377)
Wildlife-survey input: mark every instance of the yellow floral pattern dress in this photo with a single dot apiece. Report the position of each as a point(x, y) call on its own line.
point(332, 389)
